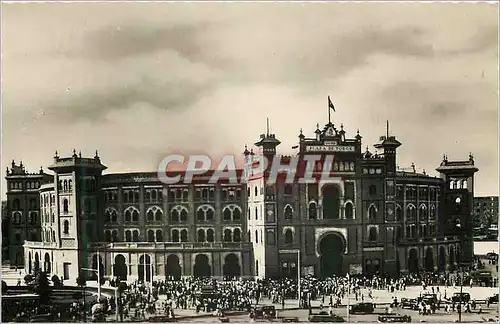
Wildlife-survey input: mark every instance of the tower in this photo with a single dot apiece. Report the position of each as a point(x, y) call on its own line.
point(389, 144)
point(78, 209)
point(457, 223)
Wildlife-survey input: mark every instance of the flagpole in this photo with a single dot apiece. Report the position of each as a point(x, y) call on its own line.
point(329, 113)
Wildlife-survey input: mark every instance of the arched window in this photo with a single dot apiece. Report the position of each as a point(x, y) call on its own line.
point(227, 235)
point(256, 237)
point(288, 212)
point(66, 227)
point(464, 184)
point(348, 211)
point(154, 195)
point(256, 191)
point(65, 206)
point(270, 238)
point(69, 185)
point(107, 236)
point(209, 214)
point(184, 235)
point(288, 236)
point(151, 236)
point(114, 236)
point(125, 197)
point(331, 202)
point(432, 214)
point(159, 236)
point(135, 236)
point(312, 210)
point(454, 184)
point(237, 235)
point(372, 214)
point(236, 214)
point(147, 196)
point(373, 234)
point(65, 185)
point(174, 216)
point(32, 218)
point(256, 213)
point(135, 215)
point(288, 190)
point(227, 214)
point(185, 194)
point(151, 215)
point(128, 236)
point(175, 236)
point(201, 235)
point(411, 213)
point(210, 235)
point(423, 213)
point(184, 215)
point(399, 213)
point(200, 215)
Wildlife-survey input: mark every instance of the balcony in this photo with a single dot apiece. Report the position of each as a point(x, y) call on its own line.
point(196, 246)
point(36, 244)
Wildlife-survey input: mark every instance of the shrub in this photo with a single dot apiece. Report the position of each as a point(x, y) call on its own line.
point(81, 281)
point(56, 281)
point(28, 279)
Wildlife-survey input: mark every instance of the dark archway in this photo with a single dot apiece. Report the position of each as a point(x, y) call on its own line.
point(36, 266)
point(231, 268)
point(173, 267)
point(331, 249)
point(442, 259)
point(201, 266)
point(94, 266)
point(120, 267)
point(331, 202)
point(413, 261)
point(144, 268)
point(30, 263)
point(47, 264)
point(452, 258)
point(429, 259)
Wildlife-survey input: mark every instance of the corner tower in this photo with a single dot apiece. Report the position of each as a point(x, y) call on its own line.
point(458, 177)
point(77, 182)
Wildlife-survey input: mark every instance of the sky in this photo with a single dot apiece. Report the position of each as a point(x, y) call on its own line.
point(140, 81)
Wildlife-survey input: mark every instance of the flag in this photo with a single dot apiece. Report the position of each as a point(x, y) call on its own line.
point(330, 104)
point(294, 147)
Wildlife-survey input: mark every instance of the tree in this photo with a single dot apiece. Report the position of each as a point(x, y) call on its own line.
point(81, 281)
point(42, 286)
point(56, 281)
point(28, 279)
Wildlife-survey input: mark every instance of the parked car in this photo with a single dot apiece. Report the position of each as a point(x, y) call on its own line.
point(324, 317)
point(429, 299)
point(493, 299)
point(394, 318)
point(409, 303)
point(456, 297)
point(261, 311)
point(362, 308)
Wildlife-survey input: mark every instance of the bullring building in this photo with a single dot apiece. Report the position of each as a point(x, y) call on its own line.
point(368, 217)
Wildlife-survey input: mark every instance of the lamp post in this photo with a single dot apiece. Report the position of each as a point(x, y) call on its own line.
point(98, 271)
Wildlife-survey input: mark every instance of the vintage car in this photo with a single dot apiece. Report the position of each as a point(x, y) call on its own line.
point(362, 308)
point(409, 303)
point(394, 318)
point(493, 299)
point(456, 297)
point(262, 311)
point(429, 299)
point(324, 317)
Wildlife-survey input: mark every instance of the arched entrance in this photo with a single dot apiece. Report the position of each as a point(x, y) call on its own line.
point(94, 266)
point(36, 266)
point(442, 259)
point(413, 261)
point(429, 259)
point(331, 202)
point(144, 268)
point(30, 263)
point(201, 266)
point(231, 266)
point(452, 258)
point(331, 249)
point(173, 267)
point(120, 267)
point(46, 263)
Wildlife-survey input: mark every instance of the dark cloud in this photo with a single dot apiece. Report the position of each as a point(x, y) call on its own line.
point(445, 109)
point(94, 105)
